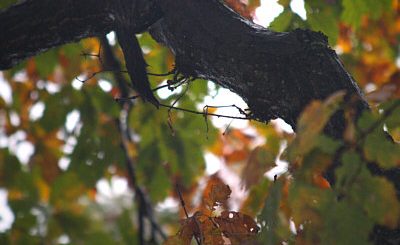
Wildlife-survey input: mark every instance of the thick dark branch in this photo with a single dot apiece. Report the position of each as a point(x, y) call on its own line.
point(34, 26)
point(135, 64)
point(277, 74)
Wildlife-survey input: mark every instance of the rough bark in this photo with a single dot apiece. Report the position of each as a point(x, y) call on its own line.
point(277, 74)
point(34, 26)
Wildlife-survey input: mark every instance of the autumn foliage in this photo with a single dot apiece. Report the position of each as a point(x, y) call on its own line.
point(63, 179)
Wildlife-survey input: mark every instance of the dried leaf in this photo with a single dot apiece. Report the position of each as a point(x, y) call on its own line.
point(215, 193)
point(238, 227)
point(260, 161)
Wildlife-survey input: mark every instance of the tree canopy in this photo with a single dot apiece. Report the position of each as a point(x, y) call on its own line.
point(105, 129)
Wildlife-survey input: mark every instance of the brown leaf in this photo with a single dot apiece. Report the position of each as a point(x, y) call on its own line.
point(189, 228)
point(238, 227)
point(174, 240)
point(220, 193)
point(210, 233)
point(215, 193)
point(260, 161)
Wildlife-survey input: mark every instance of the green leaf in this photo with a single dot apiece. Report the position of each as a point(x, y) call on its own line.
point(7, 3)
point(310, 124)
point(66, 189)
point(284, 3)
point(378, 198)
point(282, 22)
point(57, 106)
point(269, 214)
point(125, 224)
point(9, 168)
point(374, 195)
point(354, 10)
point(253, 3)
point(351, 165)
point(378, 148)
point(345, 224)
point(46, 62)
point(256, 198)
point(324, 18)
point(327, 144)
point(393, 120)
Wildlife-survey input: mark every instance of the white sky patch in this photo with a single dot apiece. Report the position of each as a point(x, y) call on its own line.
point(111, 38)
point(76, 84)
point(70, 144)
point(72, 120)
point(103, 188)
point(64, 162)
point(370, 87)
point(224, 97)
point(168, 204)
point(119, 186)
point(164, 93)
point(213, 163)
point(231, 178)
point(109, 189)
point(281, 167)
point(105, 85)
point(270, 9)
point(64, 239)
point(52, 88)
point(5, 90)
point(298, 7)
point(20, 76)
point(266, 13)
point(3, 141)
point(36, 111)
point(6, 215)
point(283, 125)
point(14, 119)
point(24, 151)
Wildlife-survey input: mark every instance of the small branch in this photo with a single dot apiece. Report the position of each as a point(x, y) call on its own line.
point(145, 209)
point(187, 215)
point(182, 201)
point(388, 112)
point(207, 114)
point(174, 103)
point(135, 63)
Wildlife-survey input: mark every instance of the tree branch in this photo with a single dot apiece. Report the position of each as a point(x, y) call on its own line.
point(34, 26)
point(277, 74)
point(145, 209)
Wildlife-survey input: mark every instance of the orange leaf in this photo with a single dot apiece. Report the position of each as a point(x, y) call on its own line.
point(321, 182)
point(215, 193)
point(220, 193)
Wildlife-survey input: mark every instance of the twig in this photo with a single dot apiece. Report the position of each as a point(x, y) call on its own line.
point(388, 112)
point(186, 213)
point(144, 206)
point(174, 103)
point(182, 201)
point(121, 71)
point(207, 114)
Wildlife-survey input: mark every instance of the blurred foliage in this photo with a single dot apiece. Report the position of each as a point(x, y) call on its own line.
point(55, 196)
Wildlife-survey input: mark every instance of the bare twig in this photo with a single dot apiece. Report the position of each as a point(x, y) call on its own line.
point(145, 209)
point(187, 215)
point(208, 114)
point(182, 201)
point(92, 75)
